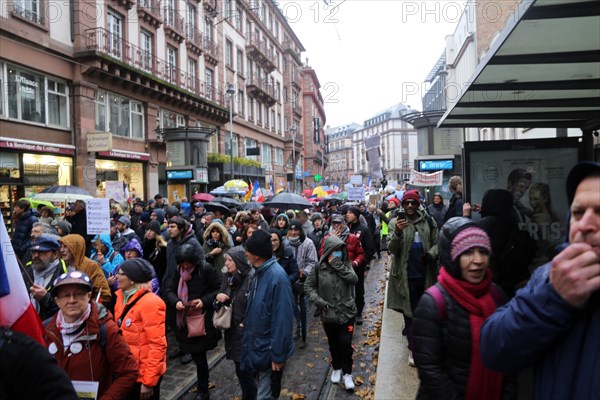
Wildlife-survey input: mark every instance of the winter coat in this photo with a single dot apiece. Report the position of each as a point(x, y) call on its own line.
point(79, 227)
point(306, 257)
point(218, 261)
point(539, 328)
point(112, 258)
point(288, 262)
point(28, 371)
point(238, 292)
point(366, 240)
point(22, 232)
point(455, 206)
point(204, 285)
point(268, 323)
point(331, 288)
point(353, 247)
point(76, 244)
point(317, 237)
point(48, 306)
point(172, 247)
point(113, 367)
point(157, 256)
point(438, 212)
point(144, 331)
point(442, 349)
point(399, 245)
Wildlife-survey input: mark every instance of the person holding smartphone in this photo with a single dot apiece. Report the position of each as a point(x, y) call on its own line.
point(412, 243)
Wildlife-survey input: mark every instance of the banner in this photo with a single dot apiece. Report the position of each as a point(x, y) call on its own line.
point(356, 193)
point(421, 179)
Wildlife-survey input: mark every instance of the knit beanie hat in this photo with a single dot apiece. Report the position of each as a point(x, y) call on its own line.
point(259, 244)
point(145, 217)
point(355, 211)
point(138, 270)
point(284, 216)
point(411, 195)
point(316, 216)
point(296, 224)
point(395, 200)
point(160, 215)
point(65, 226)
point(154, 226)
point(467, 239)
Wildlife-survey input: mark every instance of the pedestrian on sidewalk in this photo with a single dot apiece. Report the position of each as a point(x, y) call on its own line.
point(268, 324)
point(449, 317)
point(233, 293)
point(412, 243)
point(330, 286)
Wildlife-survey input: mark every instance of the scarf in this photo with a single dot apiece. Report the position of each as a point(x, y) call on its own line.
point(42, 278)
point(479, 302)
point(343, 234)
point(70, 330)
point(185, 275)
point(294, 241)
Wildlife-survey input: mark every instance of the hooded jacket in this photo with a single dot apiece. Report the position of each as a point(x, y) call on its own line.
point(20, 237)
point(399, 245)
point(217, 261)
point(268, 324)
point(144, 331)
point(76, 245)
point(331, 287)
point(112, 258)
point(113, 367)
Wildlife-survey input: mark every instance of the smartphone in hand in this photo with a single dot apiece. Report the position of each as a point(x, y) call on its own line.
point(401, 215)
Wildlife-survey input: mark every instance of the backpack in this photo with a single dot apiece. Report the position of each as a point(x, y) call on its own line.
point(440, 303)
point(517, 255)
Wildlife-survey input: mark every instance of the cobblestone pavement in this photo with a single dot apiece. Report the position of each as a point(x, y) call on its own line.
point(306, 374)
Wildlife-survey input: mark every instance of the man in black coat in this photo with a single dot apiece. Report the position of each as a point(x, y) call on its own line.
point(24, 219)
point(79, 224)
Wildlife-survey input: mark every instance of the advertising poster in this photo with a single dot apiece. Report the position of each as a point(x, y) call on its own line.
point(535, 171)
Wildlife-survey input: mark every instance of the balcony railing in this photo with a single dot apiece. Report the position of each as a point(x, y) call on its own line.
point(261, 90)
point(173, 24)
point(150, 11)
point(295, 79)
point(105, 42)
point(257, 50)
point(210, 51)
point(297, 108)
point(193, 38)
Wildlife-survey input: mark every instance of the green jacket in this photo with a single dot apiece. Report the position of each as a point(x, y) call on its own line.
point(399, 244)
point(330, 287)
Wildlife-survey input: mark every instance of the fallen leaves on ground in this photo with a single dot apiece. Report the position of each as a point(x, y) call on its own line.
point(310, 365)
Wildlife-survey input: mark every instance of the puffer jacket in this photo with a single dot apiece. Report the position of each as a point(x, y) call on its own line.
point(20, 237)
point(144, 331)
point(76, 244)
point(331, 289)
point(112, 258)
point(113, 367)
point(268, 323)
point(238, 292)
point(204, 285)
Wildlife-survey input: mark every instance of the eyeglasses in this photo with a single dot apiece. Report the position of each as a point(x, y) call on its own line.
point(410, 203)
point(74, 296)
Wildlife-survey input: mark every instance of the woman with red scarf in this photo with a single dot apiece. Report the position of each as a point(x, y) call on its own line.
point(449, 317)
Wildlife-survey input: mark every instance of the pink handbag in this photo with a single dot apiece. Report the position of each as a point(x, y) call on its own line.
point(194, 319)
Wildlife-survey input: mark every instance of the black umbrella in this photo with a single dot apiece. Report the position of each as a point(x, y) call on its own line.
point(288, 201)
point(249, 205)
point(212, 206)
point(227, 201)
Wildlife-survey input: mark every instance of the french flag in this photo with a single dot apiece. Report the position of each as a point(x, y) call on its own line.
point(16, 310)
point(257, 195)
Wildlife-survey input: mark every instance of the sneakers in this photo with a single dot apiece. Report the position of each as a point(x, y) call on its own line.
point(348, 382)
point(336, 376)
point(411, 360)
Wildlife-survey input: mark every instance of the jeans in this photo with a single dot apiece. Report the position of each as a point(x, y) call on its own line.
point(201, 370)
point(247, 383)
point(339, 338)
point(269, 384)
point(416, 288)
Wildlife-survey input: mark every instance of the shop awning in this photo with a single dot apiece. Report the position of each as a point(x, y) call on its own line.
point(542, 71)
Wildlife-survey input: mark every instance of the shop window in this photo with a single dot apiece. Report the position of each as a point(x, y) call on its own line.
point(9, 166)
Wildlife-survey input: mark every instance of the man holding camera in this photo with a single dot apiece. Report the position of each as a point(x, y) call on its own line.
point(412, 243)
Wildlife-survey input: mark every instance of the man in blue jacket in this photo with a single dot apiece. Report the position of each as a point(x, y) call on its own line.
point(268, 324)
point(553, 324)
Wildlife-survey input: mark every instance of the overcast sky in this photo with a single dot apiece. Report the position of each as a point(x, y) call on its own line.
point(371, 54)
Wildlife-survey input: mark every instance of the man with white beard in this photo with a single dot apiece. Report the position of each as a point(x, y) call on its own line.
point(39, 274)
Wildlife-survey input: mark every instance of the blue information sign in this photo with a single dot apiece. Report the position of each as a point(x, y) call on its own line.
point(184, 174)
point(436, 165)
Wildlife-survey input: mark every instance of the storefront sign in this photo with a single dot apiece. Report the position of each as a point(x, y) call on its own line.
point(98, 216)
point(123, 154)
point(436, 165)
point(38, 147)
point(99, 141)
point(183, 174)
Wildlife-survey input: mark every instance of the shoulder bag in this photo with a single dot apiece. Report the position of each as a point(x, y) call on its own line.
point(222, 317)
point(194, 320)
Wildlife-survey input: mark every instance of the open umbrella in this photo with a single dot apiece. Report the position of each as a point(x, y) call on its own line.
point(221, 191)
point(212, 206)
point(249, 205)
point(63, 193)
point(288, 201)
point(227, 201)
point(307, 192)
point(235, 184)
point(319, 191)
point(203, 197)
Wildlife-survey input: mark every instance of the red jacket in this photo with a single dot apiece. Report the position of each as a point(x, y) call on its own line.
point(113, 367)
point(144, 331)
point(355, 250)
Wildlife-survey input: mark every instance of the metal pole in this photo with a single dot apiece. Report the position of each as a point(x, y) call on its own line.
point(294, 159)
point(231, 91)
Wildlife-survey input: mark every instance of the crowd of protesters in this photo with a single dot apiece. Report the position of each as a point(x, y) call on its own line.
point(108, 301)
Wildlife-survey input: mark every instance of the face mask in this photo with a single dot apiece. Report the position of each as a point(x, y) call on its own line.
point(337, 254)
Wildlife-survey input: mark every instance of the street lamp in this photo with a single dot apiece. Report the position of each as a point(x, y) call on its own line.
point(230, 92)
point(293, 129)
